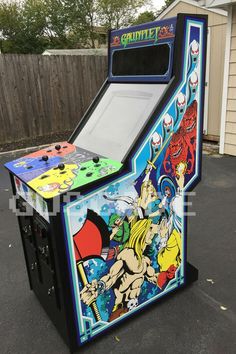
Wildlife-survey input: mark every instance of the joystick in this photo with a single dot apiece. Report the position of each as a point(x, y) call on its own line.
point(58, 148)
point(96, 159)
point(45, 158)
point(61, 166)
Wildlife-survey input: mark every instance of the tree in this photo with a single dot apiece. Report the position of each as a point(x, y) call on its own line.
point(168, 2)
point(22, 27)
point(146, 16)
point(10, 24)
point(56, 22)
point(118, 13)
point(31, 26)
point(83, 20)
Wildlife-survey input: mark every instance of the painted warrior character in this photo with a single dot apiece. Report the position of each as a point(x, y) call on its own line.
point(148, 205)
point(128, 273)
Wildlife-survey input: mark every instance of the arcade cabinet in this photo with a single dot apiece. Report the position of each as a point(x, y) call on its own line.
point(103, 216)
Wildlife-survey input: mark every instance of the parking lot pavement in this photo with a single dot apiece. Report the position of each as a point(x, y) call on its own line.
point(199, 319)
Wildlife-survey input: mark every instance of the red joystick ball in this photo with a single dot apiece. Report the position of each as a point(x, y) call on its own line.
point(45, 158)
point(58, 147)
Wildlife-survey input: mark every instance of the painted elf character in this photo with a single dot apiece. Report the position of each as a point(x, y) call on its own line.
point(120, 233)
point(128, 273)
point(120, 229)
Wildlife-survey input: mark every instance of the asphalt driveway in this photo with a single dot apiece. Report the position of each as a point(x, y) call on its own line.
point(199, 319)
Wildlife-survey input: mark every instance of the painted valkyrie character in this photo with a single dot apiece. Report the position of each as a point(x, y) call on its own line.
point(147, 205)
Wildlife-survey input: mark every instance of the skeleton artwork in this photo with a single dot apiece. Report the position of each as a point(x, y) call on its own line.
point(156, 144)
point(193, 55)
point(132, 303)
point(194, 50)
point(192, 86)
point(167, 125)
point(180, 106)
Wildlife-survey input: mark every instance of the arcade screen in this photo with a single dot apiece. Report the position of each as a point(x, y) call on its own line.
point(118, 119)
point(151, 60)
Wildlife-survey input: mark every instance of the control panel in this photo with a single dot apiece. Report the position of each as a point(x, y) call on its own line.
point(60, 168)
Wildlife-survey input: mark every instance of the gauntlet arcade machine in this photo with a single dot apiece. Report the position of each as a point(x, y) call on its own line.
point(103, 216)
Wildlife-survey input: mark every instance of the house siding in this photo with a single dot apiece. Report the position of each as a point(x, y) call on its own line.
point(217, 24)
point(230, 126)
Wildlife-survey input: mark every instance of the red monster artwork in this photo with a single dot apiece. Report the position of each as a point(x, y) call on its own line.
point(180, 155)
point(189, 124)
point(165, 32)
point(116, 41)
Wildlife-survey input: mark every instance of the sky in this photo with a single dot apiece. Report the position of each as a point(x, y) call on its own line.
point(156, 5)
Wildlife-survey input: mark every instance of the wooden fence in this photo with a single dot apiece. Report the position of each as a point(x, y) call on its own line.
point(41, 95)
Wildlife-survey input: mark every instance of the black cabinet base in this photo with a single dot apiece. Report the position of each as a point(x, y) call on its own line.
point(191, 274)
